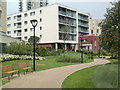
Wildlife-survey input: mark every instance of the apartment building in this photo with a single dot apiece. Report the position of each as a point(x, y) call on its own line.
point(31, 4)
point(89, 42)
point(54, 22)
point(3, 16)
point(95, 29)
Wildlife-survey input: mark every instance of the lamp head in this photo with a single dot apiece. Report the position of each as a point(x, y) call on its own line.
point(34, 22)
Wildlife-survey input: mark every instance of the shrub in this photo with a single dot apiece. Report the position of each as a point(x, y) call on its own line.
point(70, 57)
point(19, 48)
point(42, 51)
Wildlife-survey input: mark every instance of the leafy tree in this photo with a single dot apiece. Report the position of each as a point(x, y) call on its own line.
point(31, 39)
point(19, 48)
point(110, 37)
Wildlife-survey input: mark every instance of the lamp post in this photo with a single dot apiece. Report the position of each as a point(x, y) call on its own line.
point(92, 49)
point(99, 46)
point(34, 23)
point(81, 36)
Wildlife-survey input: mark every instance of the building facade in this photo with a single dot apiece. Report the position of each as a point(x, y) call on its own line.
point(3, 15)
point(54, 22)
point(95, 29)
point(89, 42)
point(31, 4)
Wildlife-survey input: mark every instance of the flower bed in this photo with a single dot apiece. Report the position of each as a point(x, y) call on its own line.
point(9, 57)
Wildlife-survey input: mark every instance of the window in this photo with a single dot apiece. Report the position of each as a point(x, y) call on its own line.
point(97, 30)
point(25, 22)
point(15, 31)
point(8, 32)
point(25, 37)
point(15, 17)
point(15, 24)
point(8, 25)
point(25, 30)
point(40, 11)
point(40, 28)
point(9, 18)
point(32, 13)
point(25, 15)
point(40, 19)
point(31, 29)
point(91, 31)
point(40, 36)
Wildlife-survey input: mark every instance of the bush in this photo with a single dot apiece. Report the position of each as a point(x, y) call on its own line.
point(42, 51)
point(69, 57)
point(19, 48)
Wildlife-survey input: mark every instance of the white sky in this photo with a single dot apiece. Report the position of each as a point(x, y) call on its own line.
point(96, 8)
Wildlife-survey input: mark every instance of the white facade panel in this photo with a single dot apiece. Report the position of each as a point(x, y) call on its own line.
point(48, 24)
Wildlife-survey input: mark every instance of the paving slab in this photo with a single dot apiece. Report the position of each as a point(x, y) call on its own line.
point(51, 78)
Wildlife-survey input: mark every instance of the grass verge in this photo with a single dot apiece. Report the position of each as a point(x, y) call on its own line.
point(104, 76)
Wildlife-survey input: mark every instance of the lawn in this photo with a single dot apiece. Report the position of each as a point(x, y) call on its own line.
point(104, 76)
point(50, 62)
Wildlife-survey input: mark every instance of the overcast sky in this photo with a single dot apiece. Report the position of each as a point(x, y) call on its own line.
point(96, 8)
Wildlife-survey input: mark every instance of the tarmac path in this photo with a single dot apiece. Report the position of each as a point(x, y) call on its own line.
point(51, 78)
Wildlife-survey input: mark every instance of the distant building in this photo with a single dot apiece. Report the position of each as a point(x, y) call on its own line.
point(4, 39)
point(51, 27)
point(25, 5)
point(89, 42)
point(95, 29)
point(3, 15)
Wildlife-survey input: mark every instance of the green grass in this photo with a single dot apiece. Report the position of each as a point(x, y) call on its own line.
point(113, 61)
point(49, 63)
point(72, 57)
point(104, 76)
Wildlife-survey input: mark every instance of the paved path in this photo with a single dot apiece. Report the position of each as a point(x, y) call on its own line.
point(51, 78)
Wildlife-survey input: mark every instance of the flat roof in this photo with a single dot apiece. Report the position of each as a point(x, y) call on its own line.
point(48, 6)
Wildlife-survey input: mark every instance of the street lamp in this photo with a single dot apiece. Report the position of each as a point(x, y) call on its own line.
point(34, 23)
point(99, 46)
point(81, 37)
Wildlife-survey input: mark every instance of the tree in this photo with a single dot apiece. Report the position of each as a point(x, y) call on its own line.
point(110, 37)
point(19, 48)
point(31, 39)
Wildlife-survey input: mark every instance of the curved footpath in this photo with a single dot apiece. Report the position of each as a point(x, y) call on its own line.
point(51, 78)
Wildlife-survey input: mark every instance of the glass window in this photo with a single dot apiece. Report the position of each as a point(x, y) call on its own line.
point(32, 13)
point(25, 37)
point(40, 11)
point(40, 19)
point(25, 15)
point(40, 28)
point(25, 22)
point(9, 18)
point(8, 32)
point(25, 30)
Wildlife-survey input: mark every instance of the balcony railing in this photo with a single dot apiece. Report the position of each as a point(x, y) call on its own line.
point(62, 13)
point(18, 19)
point(19, 34)
point(83, 18)
point(19, 26)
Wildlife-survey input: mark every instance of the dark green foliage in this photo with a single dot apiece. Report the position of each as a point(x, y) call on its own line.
point(42, 51)
point(19, 48)
point(31, 39)
point(88, 53)
point(110, 37)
